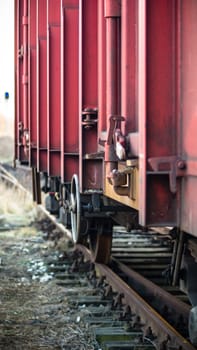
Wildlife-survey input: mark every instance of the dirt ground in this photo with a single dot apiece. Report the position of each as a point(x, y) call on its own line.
point(34, 313)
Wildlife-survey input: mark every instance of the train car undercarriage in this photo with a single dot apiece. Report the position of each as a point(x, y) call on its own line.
point(91, 217)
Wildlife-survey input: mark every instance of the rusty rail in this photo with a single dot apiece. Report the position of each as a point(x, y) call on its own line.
point(163, 334)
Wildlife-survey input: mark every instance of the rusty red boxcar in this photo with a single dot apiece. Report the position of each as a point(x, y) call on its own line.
point(106, 111)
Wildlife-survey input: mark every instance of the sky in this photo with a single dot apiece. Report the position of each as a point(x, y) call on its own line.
point(6, 65)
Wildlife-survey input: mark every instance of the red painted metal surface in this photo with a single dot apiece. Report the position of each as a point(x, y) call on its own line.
point(112, 15)
point(41, 88)
point(188, 112)
point(142, 108)
point(21, 59)
point(25, 64)
point(32, 96)
point(90, 166)
point(69, 89)
point(53, 87)
point(85, 68)
point(129, 65)
point(160, 112)
point(17, 75)
point(102, 120)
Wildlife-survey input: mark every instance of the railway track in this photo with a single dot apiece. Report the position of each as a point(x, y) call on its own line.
point(148, 314)
point(118, 316)
point(98, 307)
point(130, 303)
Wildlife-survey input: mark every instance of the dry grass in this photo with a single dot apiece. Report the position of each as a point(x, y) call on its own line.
point(33, 314)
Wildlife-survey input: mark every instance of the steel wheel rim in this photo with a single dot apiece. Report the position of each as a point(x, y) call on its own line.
point(75, 208)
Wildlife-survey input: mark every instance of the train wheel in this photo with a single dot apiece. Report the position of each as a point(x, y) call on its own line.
point(100, 245)
point(76, 221)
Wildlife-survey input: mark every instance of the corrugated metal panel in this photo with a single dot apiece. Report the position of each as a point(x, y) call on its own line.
point(188, 112)
point(41, 77)
point(32, 95)
point(69, 89)
point(53, 85)
point(90, 168)
point(98, 66)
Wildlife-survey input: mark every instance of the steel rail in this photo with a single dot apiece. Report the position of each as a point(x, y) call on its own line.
point(165, 336)
point(179, 308)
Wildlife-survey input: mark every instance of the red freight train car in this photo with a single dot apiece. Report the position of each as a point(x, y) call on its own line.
point(106, 109)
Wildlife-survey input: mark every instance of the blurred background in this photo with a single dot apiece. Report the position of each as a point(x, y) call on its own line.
point(6, 80)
